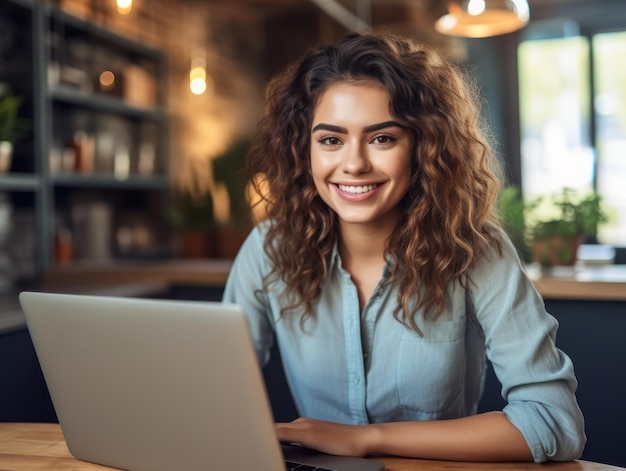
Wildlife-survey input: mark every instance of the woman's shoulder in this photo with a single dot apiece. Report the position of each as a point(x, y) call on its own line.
point(262, 228)
point(499, 278)
point(498, 258)
point(502, 247)
point(258, 234)
point(252, 251)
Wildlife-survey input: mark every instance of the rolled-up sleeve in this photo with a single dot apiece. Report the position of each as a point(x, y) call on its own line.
point(537, 378)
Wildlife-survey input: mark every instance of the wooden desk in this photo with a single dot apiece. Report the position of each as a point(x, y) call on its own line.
point(35, 447)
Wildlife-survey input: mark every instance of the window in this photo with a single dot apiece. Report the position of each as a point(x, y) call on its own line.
point(610, 106)
point(573, 120)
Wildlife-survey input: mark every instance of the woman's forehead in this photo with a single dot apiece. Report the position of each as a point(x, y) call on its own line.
point(353, 102)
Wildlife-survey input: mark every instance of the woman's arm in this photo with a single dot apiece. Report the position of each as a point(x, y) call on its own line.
point(482, 437)
point(537, 378)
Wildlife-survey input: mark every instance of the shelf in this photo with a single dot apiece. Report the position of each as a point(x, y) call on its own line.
point(70, 121)
point(98, 32)
point(19, 182)
point(104, 103)
point(109, 181)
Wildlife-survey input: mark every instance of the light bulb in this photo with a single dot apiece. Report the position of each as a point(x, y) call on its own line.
point(476, 7)
point(197, 86)
point(107, 80)
point(124, 6)
point(197, 76)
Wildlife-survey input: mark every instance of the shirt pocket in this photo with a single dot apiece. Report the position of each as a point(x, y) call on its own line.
point(430, 369)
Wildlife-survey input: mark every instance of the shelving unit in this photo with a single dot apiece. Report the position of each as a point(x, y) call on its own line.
point(22, 189)
point(94, 166)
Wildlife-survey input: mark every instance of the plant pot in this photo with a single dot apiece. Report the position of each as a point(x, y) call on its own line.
point(556, 250)
point(197, 244)
point(6, 154)
point(229, 240)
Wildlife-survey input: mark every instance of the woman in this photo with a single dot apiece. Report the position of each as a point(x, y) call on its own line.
point(382, 273)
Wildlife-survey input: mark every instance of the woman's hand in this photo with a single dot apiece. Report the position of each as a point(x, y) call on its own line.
point(327, 437)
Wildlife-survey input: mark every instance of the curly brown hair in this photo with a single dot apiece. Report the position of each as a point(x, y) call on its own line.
point(448, 216)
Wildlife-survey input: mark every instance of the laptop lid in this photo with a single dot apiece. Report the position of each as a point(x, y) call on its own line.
point(158, 385)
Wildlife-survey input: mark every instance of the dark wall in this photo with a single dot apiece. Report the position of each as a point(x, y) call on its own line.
point(23, 393)
point(592, 334)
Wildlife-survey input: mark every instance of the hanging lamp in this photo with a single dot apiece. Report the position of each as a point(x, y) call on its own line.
point(124, 7)
point(483, 18)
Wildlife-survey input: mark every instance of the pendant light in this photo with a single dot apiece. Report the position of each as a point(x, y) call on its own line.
point(197, 74)
point(124, 6)
point(483, 18)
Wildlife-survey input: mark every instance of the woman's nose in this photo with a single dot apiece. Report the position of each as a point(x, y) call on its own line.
point(355, 160)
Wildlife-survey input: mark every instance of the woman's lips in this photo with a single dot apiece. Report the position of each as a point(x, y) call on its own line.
point(357, 193)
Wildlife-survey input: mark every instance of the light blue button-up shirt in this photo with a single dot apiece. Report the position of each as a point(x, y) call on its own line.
point(358, 366)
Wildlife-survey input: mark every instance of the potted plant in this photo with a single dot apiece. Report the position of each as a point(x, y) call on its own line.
point(191, 214)
point(11, 126)
point(569, 218)
point(209, 208)
point(549, 229)
point(229, 171)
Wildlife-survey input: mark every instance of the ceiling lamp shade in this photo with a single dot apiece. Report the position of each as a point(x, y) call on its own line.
point(483, 18)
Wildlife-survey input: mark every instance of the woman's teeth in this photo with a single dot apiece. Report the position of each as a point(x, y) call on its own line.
point(357, 189)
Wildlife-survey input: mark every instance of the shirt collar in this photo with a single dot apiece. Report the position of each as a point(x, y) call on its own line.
point(336, 264)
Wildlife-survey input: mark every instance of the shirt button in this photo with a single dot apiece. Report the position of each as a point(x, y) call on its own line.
point(365, 355)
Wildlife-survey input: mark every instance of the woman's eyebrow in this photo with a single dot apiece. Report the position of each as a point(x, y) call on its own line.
point(330, 127)
point(383, 125)
point(370, 128)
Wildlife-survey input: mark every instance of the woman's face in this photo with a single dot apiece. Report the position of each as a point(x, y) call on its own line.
point(360, 155)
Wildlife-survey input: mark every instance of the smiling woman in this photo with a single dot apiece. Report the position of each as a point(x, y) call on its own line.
point(382, 272)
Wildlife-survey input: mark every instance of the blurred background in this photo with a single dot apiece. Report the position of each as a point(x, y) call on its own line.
point(133, 116)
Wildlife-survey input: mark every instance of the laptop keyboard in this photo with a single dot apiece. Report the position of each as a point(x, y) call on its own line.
point(303, 467)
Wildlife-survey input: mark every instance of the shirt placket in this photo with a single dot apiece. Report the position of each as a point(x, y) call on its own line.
point(354, 352)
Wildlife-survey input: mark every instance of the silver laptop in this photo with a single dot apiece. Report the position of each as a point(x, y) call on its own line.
point(158, 385)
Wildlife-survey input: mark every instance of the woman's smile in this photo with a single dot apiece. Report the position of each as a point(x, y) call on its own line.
point(357, 190)
point(358, 193)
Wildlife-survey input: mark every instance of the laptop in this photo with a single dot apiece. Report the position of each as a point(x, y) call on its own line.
point(160, 385)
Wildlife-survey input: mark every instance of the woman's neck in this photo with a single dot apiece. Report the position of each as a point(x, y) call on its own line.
point(362, 252)
point(366, 241)
point(357, 242)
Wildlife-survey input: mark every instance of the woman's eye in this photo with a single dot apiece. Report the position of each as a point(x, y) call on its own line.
point(383, 139)
point(329, 141)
